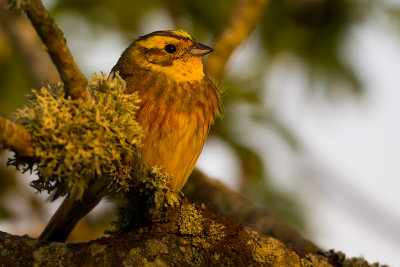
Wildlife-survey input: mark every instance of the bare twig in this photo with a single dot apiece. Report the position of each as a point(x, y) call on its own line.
point(240, 25)
point(26, 41)
point(15, 137)
point(74, 81)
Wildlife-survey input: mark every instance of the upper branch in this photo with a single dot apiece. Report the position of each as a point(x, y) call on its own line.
point(241, 23)
point(15, 137)
point(52, 36)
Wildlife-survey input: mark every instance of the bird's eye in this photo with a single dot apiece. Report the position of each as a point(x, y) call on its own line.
point(170, 48)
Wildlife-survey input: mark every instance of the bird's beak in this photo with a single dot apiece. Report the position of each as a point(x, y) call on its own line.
point(199, 49)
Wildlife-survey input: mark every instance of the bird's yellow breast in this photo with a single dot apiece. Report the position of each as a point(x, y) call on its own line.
point(175, 128)
point(178, 102)
point(173, 139)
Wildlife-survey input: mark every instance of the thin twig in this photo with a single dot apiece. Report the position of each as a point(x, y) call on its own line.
point(27, 43)
point(241, 23)
point(15, 137)
point(52, 36)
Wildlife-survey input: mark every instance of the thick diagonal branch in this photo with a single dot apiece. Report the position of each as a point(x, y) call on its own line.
point(233, 205)
point(240, 25)
point(15, 137)
point(74, 81)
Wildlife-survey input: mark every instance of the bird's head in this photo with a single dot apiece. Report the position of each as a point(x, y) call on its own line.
point(174, 53)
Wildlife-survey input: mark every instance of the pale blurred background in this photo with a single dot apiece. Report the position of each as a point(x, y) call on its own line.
point(311, 129)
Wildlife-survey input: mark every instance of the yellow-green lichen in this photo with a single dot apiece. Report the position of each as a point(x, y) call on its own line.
point(198, 257)
point(156, 247)
point(155, 188)
point(134, 258)
point(51, 255)
point(99, 253)
point(148, 200)
point(274, 253)
point(156, 263)
point(78, 140)
point(190, 220)
point(216, 232)
point(204, 232)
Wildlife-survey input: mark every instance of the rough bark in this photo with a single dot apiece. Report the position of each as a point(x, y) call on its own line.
point(189, 235)
point(15, 137)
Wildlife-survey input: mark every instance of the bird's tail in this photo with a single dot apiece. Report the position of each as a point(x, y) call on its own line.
point(69, 213)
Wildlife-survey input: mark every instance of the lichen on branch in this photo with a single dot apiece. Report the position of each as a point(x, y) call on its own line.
point(77, 141)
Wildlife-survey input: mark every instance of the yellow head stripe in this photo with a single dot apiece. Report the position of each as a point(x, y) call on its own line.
point(182, 33)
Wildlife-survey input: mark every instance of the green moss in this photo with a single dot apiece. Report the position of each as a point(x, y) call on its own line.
point(76, 140)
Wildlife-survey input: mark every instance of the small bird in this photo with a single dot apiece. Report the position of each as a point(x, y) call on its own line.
point(178, 105)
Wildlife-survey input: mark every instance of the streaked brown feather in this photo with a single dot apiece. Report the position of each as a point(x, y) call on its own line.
point(178, 103)
point(176, 118)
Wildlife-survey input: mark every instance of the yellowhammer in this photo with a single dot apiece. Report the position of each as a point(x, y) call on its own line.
point(178, 106)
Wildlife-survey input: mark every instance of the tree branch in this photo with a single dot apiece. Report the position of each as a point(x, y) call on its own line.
point(189, 235)
point(52, 36)
point(26, 41)
point(240, 25)
point(203, 189)
point(15, 137)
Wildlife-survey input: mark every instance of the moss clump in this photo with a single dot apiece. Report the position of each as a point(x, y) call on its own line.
point(77, 141)
point(148, 200)
point(155, 190)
